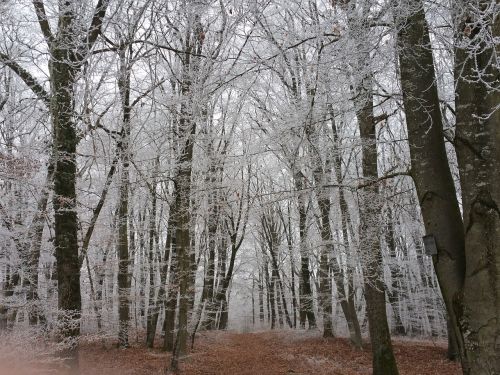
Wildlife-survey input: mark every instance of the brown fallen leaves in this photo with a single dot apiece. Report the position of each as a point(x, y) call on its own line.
point(260, 353)
point(299, 352)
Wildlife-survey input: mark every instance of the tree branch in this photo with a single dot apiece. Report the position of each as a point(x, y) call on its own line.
point(381, 178)
point(43, 21)
point(97, 19)
point(28, 79)
point(98, 208)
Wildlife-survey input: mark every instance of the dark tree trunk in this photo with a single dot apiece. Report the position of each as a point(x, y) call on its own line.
point(453, 353)
point(384, 362)
point(261, 300)
point(477, 144)
point(253, 303)
point(171, 302)
point(430, 168)
point(278, 300)
point(123, 211)
point(62, 71)
point(152, 317)
point(287, 224)
point(187, 129)
point(306, 312)
point(272, 302)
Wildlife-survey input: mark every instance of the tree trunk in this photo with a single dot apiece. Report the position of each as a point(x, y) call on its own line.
point(345, 292)
point(384, 362)
point(62, 72)
point(35, 233)
point(212, 229)
point(261, 300)
point(306, 311)
point(123, 250)
point(253, 303)
point(430, 168)
point(325, 290)
point(171, 298)
point(278, 300)
point(288, 234)
point(478, 151)
point(396, 275)
point(272, 303)
point(183, 220)
point(152, 317)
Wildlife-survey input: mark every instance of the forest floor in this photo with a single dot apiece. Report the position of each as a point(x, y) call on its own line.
point(257, 353)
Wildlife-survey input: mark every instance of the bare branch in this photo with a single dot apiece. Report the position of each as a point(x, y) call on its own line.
point(95, 26)
point(382, 178)
point(27, 78)
point(98, 208)
point(43, 21)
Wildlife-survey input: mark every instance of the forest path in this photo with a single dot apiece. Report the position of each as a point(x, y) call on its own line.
point(245, 353)
point(255, 353)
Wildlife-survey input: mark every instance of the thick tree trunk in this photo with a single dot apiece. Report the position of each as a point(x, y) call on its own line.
point(477, 144)
point(123, 236)
point(187, 129)
point(183, 223)
point(430, 168)
point(384, 362)
point(67, 52)
point(62, 72)
point(170, 303)
point(453, 353)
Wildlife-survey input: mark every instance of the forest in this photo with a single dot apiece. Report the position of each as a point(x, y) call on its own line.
point(314, 183)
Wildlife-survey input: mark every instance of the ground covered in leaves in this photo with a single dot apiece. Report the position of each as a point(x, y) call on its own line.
point(258, 353)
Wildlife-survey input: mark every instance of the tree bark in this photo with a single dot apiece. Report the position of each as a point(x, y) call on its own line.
point(152, 318)
point(384, 362)
point(123, 245)
point(170, 302)
point(62, 73)
point(325, 289)
point(67, 52)
point(477, 144)
point(429, 162)
point(306, 312)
